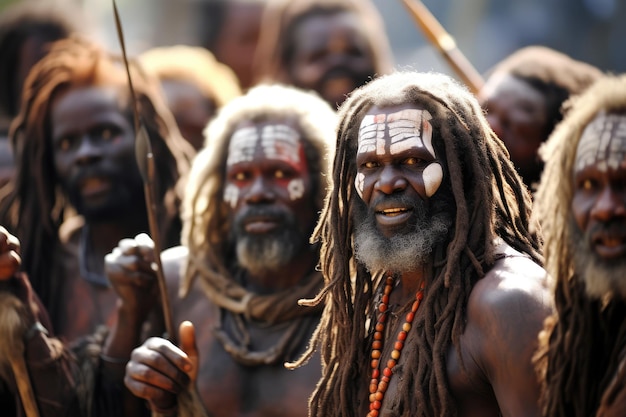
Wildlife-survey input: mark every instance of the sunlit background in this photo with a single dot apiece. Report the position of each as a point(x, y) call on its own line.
point(485, 30)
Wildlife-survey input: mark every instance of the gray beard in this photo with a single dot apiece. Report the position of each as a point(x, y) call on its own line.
point(267, 254)
point(601, 277)
point(403, 252)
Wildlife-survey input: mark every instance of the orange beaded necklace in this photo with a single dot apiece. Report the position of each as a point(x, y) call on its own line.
point(379, 387)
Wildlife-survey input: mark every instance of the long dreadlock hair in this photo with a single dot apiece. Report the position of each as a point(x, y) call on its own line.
point(491, 201)
point(281, 17)
point(205, 214)
point(579, 347)
point(34, 206)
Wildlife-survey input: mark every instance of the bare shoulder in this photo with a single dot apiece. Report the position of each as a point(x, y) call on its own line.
point(515, 285)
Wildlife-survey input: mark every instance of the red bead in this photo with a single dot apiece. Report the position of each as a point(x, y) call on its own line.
point(375, 354)
point(410, 316)
point(402, 336)
point(391, 363)
point(387, 372)
point(374, 363)
point(375, 373)
point(398, 345)
point(382, 308)
point(378, 396)
point(376, 405)
point(377, 344)
point(380, 327)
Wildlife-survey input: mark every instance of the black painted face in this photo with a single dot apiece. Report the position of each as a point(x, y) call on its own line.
point(331, 56)
point(94, 155)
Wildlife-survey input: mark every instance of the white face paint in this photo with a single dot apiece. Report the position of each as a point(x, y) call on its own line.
point(296, 189)
point(603, 144)
point(273, 141)
point(231, 195)
point(396, 133)
point(279, 141)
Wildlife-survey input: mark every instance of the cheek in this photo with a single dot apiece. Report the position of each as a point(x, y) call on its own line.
point(359, 184)
point(231, 195)
point(295, 188)
point(581, 206)
point(433, 176)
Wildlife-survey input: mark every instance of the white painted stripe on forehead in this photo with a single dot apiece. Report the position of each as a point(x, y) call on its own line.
point(281, 142)
point(410, 124)
point(371, 136)
point(603, 143)
point(242, 145)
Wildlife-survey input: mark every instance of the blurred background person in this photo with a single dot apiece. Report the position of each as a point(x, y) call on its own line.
point(195, 85)
point(26, 30)
point(523, 95)
point(328, 46)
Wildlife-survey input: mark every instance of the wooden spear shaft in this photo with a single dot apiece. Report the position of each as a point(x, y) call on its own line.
point(445, 44)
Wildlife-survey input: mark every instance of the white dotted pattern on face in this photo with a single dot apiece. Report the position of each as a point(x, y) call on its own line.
point(296, 189)
point(603, 144)
point(231, 195)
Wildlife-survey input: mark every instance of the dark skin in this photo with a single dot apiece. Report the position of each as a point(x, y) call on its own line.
point(331, 56)
point(516, 112)
point(496, 376)
point(158, 370)
point(93, 143)
point(237, 41)
point(191, 109)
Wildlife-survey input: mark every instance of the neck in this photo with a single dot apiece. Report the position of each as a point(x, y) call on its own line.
point(408, 285)
point(287, 277)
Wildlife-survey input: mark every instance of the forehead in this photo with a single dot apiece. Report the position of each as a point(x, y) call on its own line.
point(275, 139)
point(82, 105)
point(603, 144)
point(318, 28)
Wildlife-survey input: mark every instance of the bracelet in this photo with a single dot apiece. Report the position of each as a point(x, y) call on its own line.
point(115, 361)
point(37, 327)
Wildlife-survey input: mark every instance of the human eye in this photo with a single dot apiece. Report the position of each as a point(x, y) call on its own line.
point(64, 143)
point(369, 164)
point(414, 161)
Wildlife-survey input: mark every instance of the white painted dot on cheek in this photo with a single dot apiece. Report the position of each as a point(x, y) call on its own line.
point(296, 189)
point(359, 184)
point(433, 177)
point(231, 195)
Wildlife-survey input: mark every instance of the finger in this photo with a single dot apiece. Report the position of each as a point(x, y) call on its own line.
point(187, 338)
point(155, 369)
point(173, 353)
point(9, 264)
point(149, 392)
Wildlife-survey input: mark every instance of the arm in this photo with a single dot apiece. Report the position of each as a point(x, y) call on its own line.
point(506, 312)
point(130, 270)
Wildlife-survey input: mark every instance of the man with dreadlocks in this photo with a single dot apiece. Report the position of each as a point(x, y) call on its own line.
point(74, 141)
point(523, 95)
point(435, 294)
point(328, 46)
point(582, 207)
point(250, 206)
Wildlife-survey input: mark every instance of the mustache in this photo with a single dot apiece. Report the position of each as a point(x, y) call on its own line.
point(262, 212)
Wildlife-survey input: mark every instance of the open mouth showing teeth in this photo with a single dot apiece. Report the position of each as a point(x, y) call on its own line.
point(393, 212)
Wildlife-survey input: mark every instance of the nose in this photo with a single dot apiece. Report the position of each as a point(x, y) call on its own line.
point(259, 191)
point(391, 180)
point(88, 151)
point(609, 205)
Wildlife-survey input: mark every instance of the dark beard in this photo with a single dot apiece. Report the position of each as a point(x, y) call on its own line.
point(600, 276)
point(270, 251)
point(405, 251)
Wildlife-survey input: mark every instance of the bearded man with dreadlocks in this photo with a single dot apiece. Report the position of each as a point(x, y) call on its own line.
point(328, 46)
point(251, 204)
point(74, 142)
point(435, 294)
point(582, 207)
